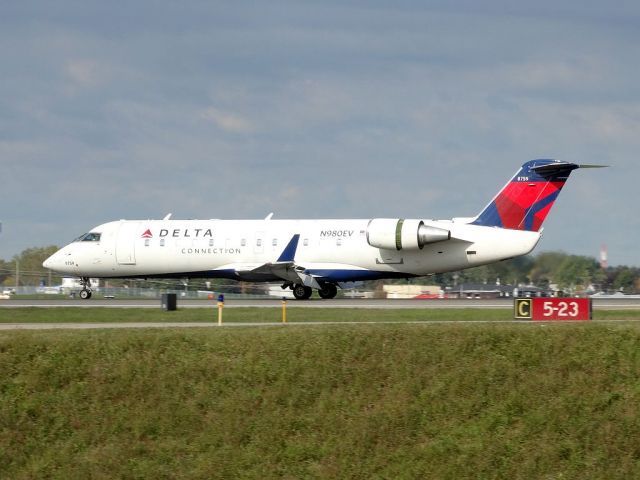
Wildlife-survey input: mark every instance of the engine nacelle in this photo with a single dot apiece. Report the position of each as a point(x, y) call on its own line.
point(401, 234)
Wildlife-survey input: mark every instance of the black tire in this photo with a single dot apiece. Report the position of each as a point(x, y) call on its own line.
point(328, 291)
point(85, 294)
point(301, 292)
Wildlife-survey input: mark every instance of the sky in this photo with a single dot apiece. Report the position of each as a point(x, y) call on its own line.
point(364, 109)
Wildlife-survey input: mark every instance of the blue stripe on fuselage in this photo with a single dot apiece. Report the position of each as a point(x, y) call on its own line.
point(334, 275)
point(327, 275)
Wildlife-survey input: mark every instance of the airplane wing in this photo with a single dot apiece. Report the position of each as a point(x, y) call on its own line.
point(288, 271)
point(284, 268)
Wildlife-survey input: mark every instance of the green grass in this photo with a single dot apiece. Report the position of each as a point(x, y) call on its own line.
point(294, 314)
point(360, 401)
point(71, 314)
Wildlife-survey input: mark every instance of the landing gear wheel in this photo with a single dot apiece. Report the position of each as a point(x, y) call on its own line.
point(301, 292)
point(328, 291)
point(85, 293)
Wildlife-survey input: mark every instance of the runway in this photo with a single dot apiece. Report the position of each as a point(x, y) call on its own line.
point(608, 304)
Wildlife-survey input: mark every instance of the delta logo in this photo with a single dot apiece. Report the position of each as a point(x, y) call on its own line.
point(147, 234)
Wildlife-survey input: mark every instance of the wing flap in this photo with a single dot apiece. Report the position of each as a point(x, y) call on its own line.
point(287, 271)
point(291, 272)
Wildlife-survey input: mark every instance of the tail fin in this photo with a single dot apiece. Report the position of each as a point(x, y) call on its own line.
point(525, 202)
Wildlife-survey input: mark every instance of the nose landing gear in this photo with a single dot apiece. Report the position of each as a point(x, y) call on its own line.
point(85, 293)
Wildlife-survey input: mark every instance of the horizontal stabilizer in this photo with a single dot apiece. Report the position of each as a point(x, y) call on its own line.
point(560, 167)
point(553, 168)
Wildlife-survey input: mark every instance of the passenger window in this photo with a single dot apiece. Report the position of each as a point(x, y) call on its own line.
point(243, 242)
point(274, 242)
point(162, 242)
point(146, 242)
point(306, 242)
point(211, 242)
point(259, 242)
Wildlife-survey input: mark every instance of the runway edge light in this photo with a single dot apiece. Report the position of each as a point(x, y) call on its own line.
point(220, 307)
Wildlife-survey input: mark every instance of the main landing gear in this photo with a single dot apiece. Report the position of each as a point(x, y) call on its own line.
point(302, 292)
point(328, 291)
point(85, 293)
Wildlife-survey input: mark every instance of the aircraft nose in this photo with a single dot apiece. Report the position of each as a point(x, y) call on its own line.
point(48, 263)
point(53, 262)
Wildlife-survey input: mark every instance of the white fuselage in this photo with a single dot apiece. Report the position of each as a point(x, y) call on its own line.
point(330, 250)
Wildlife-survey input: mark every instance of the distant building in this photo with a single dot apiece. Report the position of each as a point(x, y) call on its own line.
point(531, 291)
point(413, 291)
point(479, 290)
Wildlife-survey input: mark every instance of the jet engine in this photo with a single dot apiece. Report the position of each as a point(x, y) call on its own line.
point(401, 234)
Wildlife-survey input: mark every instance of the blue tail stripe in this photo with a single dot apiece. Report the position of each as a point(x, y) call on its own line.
point(489, 217)
point(530, 215)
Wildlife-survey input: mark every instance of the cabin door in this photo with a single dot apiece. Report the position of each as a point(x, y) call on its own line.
point(126, 243)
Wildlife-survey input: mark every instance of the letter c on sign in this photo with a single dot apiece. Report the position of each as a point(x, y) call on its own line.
point(523, 308)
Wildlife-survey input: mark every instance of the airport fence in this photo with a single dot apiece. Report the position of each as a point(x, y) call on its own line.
point(131, 292)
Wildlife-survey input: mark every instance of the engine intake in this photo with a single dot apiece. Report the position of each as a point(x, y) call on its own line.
point(401, 234)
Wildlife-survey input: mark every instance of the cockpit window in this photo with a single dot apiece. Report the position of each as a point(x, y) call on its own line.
point(89, 237)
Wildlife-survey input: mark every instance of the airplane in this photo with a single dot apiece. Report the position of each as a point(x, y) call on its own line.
point(321, 255)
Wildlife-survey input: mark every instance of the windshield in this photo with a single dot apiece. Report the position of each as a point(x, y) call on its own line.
point(88, 237)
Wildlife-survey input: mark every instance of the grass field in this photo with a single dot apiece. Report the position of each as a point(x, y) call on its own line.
point(361, 401)
point(238, 315)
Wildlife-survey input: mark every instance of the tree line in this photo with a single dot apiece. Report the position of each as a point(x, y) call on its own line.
point(571, 273)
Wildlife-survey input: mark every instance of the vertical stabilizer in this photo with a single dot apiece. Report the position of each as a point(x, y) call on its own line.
point(525, 202)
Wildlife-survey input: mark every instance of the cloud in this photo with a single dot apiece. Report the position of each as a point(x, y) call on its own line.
point(84, 73)
point(229, 122)
point(550, 74)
